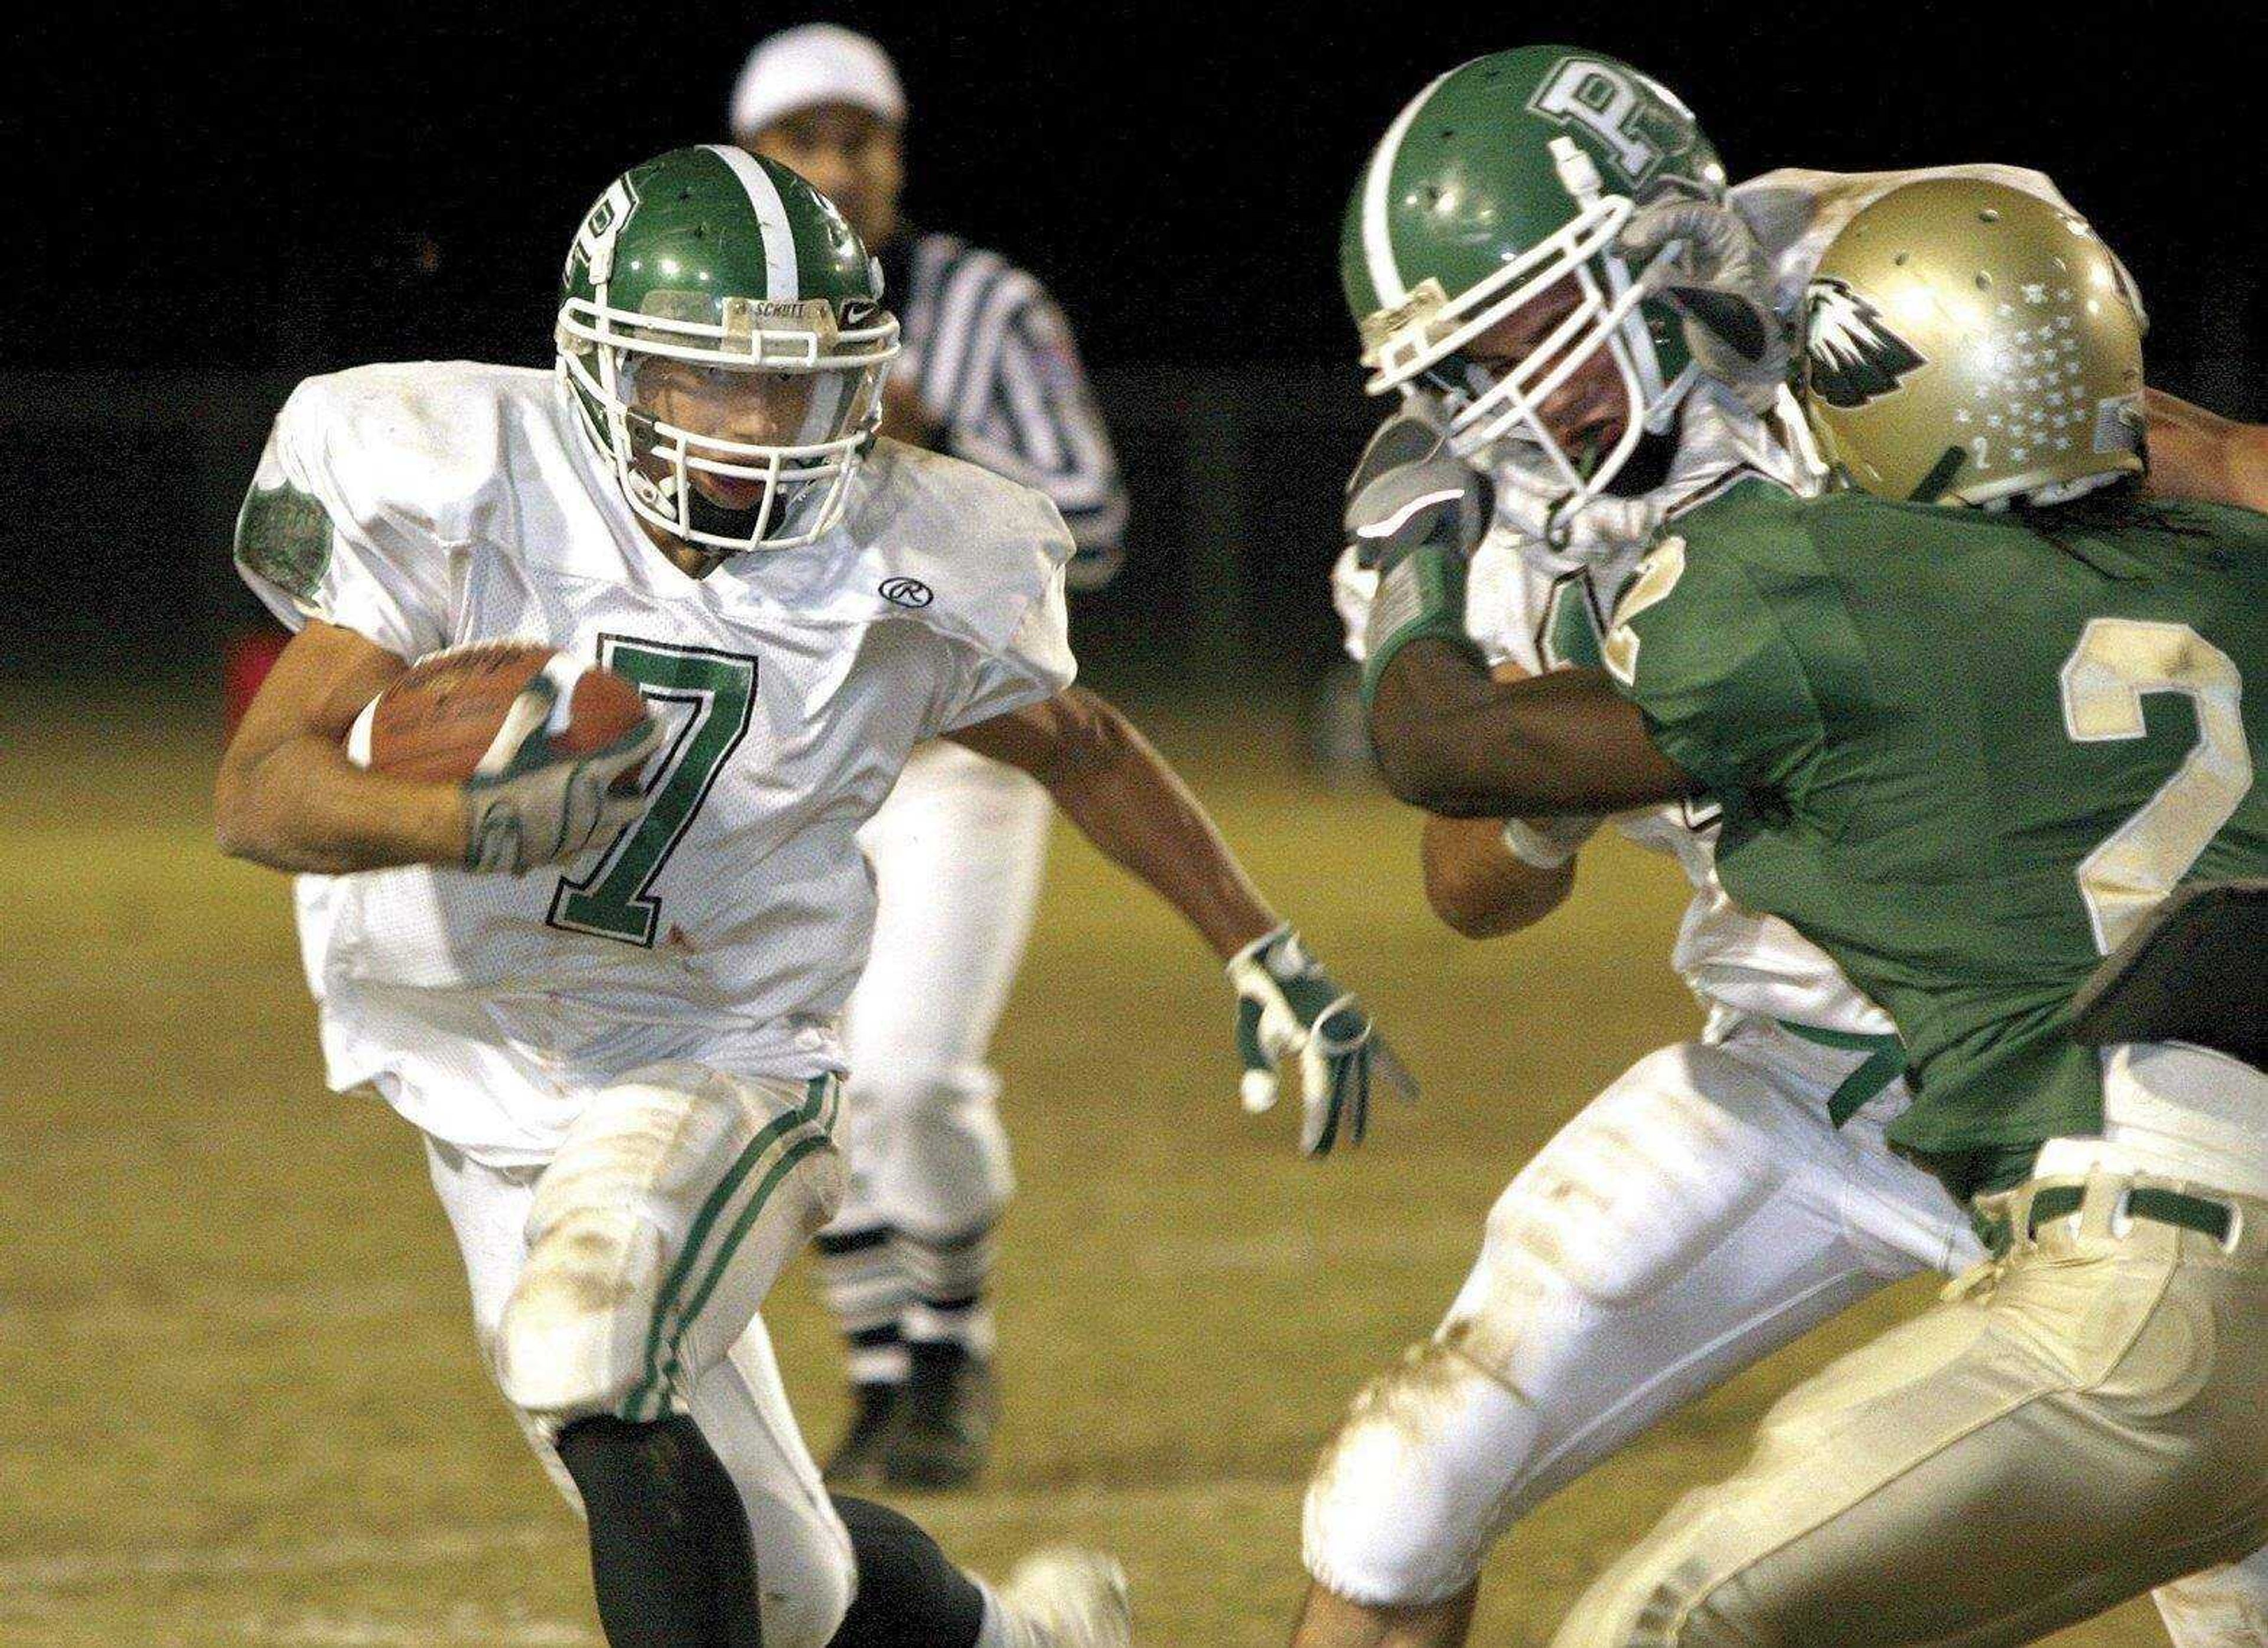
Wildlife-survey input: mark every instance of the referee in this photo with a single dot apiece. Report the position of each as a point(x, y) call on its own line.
point(987, 372)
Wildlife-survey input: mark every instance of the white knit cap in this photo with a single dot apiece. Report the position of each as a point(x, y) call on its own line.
point(814, 63)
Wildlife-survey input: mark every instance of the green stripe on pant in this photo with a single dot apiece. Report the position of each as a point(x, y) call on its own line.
point(649, 1398)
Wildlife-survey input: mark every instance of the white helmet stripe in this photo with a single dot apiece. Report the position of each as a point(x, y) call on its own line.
point(771, 212)
point(1377, 184)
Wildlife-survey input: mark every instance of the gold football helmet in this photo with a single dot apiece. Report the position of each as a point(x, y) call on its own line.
point(1967, 342)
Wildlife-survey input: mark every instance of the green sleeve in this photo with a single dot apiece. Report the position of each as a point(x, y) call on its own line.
point(1702, 653)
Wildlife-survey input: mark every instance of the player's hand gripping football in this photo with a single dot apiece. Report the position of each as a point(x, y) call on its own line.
point(530, 804)
point(1288, 1007)
point(1720, 282)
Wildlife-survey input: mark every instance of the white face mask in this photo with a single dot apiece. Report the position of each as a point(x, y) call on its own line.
point(821, 402)
point(1718, 438)
point(1483, 410)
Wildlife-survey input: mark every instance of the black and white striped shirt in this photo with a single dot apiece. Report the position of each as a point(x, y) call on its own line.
point(994, 363)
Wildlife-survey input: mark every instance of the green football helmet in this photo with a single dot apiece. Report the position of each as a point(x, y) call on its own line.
point(1507, 177)
point(733, 265)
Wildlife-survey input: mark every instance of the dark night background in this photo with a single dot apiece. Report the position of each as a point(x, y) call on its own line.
point(227, 198)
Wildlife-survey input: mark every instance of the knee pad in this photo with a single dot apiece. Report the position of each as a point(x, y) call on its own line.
point(1418, 1482)
point(654, 1235)
point(572, 1341)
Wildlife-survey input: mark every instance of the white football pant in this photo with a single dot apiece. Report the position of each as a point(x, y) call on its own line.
point(959, 851)
point(1696, 1216)
point(623, 1278)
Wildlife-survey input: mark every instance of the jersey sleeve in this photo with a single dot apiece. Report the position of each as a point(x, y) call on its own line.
point(317, 539)
point(1035, 663)
point(1702, 653)
point(1354, 586)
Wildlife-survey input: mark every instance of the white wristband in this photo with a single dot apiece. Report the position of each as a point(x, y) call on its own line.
point(1549, 844)
point(358, 734)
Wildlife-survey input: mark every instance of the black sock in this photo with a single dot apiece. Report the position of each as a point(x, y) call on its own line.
point(910, 1594)
point(670, 1559)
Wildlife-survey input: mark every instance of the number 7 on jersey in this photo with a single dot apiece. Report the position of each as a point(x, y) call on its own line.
point(615, 898)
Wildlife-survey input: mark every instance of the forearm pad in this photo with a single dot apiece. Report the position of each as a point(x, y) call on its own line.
point(1420, 598)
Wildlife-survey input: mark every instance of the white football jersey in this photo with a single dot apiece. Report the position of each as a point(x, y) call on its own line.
point(464, 506)
point(1540, 606)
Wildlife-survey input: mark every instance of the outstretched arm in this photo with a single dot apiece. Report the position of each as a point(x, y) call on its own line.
point(1119, 791)
point(1124, 798)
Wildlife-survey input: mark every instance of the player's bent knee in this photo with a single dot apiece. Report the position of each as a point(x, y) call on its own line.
point(1417, 1483)
point(655, 1234)
point(571, 1341)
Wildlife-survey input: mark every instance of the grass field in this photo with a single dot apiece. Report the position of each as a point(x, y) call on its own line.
point(243, 1405)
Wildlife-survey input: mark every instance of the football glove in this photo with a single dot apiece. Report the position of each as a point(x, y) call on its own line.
point(540, 807)
point(1288, 1006)
point(1720, 282)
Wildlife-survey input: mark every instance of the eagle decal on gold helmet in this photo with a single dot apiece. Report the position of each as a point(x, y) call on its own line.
point(1852, 355)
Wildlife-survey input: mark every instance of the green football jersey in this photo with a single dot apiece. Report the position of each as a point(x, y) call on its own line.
point(1964, 756)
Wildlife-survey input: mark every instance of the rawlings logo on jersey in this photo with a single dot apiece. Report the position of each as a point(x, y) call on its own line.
point(1606, 102)
point(1851, 355)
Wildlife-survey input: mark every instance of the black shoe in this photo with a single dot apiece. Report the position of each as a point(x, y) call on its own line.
point(858, 1460)
point(944, 1433)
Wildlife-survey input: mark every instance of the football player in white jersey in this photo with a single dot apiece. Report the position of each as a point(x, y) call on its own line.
point(1728, 1193)
point(614, 1020)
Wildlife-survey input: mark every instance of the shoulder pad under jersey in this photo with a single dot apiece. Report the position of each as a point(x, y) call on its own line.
point(1408, 490)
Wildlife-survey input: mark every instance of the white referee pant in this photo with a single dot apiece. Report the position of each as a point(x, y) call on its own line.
point(960, 852)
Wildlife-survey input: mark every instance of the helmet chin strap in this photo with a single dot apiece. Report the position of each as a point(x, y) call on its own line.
point(704, 514)
point(696, 511)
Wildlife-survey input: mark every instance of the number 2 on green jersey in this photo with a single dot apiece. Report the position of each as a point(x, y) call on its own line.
point(615, 901)
point(2116, 662)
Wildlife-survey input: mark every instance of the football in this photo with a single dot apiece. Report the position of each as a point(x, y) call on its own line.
point(453, 711)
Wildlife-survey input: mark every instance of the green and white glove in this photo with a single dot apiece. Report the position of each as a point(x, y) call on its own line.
point(541, 807)
point(1289, 1006)
point(1721, 284)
